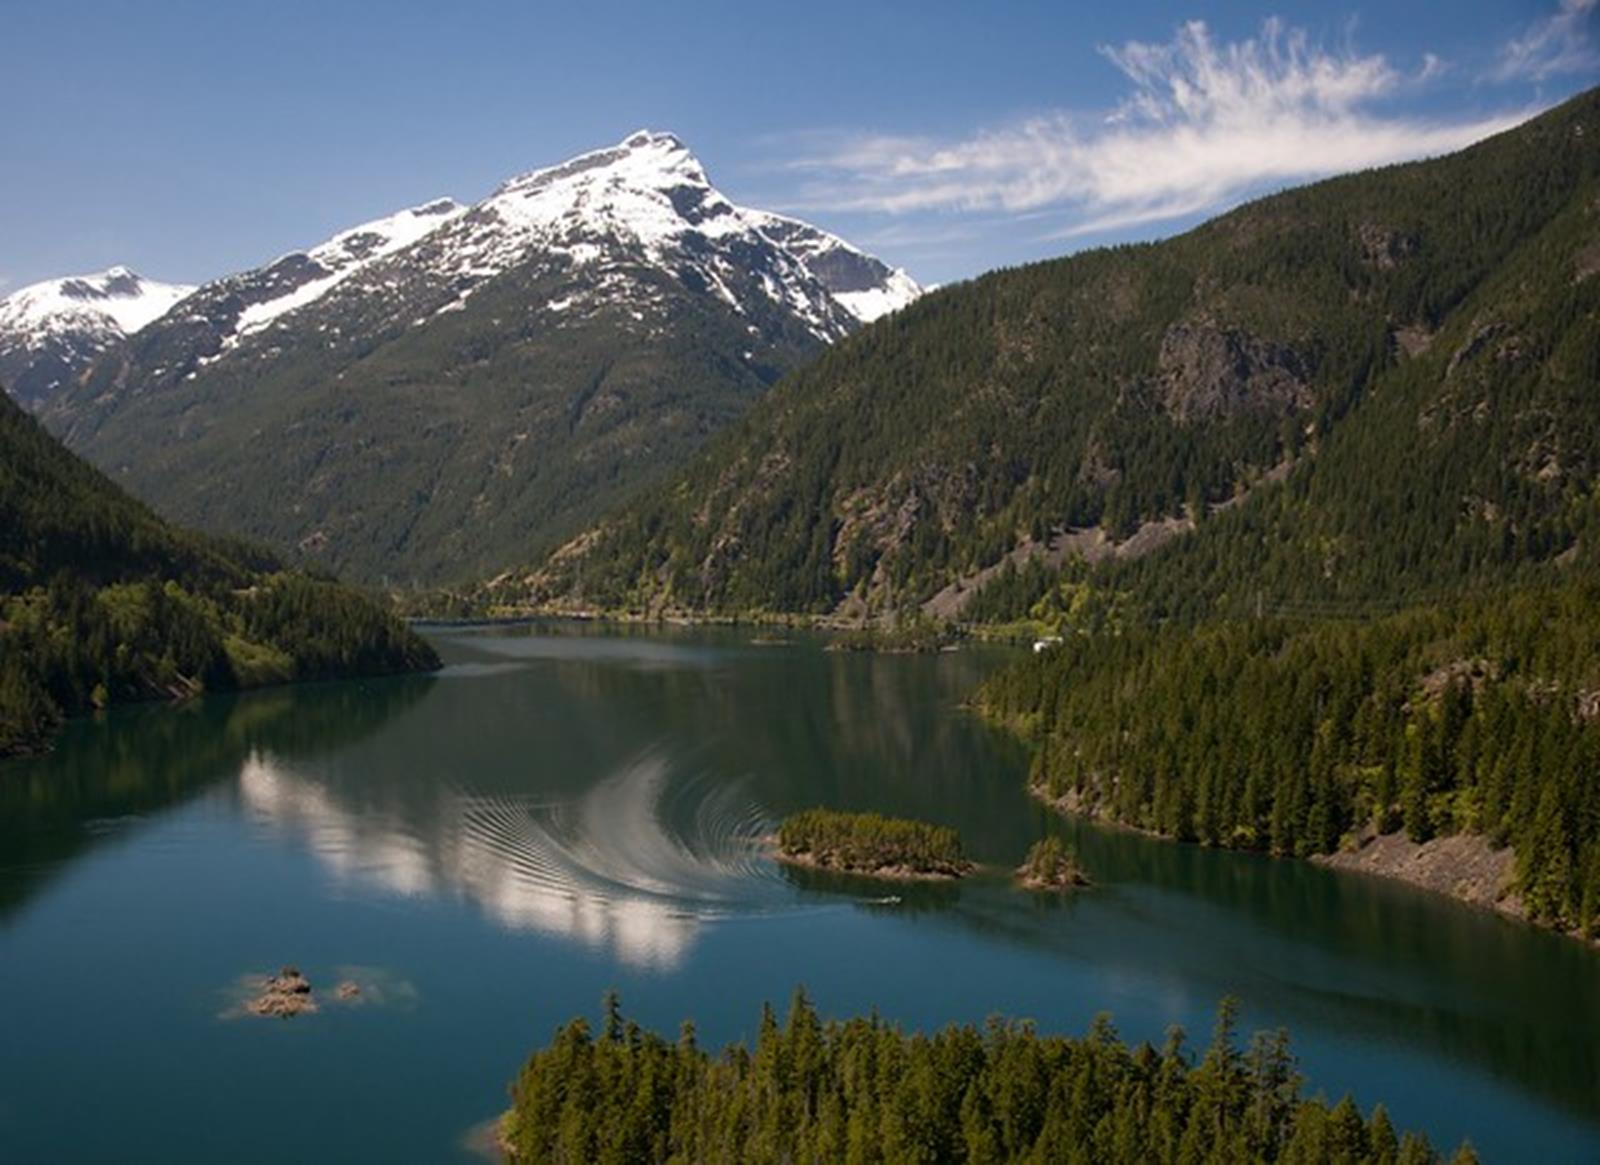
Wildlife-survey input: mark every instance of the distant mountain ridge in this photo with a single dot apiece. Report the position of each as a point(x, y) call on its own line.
point(450, 389)
point(51, 332)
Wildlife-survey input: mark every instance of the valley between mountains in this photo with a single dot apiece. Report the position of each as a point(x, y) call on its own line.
point(672, 567)
point(1338, 447)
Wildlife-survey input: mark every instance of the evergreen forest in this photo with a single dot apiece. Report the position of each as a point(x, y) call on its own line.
point(864, 1092)
point(102, 602)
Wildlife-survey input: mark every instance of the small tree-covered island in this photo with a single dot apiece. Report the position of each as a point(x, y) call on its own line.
point(1051, 865)
point(864, 1092)
point(871, 844)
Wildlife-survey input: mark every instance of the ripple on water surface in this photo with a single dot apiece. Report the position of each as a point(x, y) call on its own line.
point(634, 865)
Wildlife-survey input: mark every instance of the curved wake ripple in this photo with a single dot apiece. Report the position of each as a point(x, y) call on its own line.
point(635, 865)
point(619, 840)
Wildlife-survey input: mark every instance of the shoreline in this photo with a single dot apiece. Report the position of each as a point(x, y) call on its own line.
point(833, 624)
point(46, 744)
point(882, 873)
point(1462, 867)
point(1044, 885)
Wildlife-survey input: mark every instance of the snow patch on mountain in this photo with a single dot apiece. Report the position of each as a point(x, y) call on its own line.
point(51, 332)
point(869, 303)
point(865, 286)
point(347, 253)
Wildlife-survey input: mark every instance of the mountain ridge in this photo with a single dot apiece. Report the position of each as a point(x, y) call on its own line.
point(456, 402)
point(1271, 380)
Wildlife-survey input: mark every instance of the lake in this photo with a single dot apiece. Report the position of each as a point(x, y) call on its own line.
point(568, 808)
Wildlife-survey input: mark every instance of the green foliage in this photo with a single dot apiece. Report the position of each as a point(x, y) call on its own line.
point(862, 1092)
point(1374, 388)
point(1051, 864)
point(1012, 593)
point(101, 602)
point(1477, 715)
point(870, 842)
point(913, 636)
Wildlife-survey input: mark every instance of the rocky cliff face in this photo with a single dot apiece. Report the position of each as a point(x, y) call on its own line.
point(1209, 370)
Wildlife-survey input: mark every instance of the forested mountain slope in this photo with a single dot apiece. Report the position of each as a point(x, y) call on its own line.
point(1378, 386)
point(101, 601)
point(454, 389)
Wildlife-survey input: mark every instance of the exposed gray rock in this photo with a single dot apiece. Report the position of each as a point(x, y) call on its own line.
point(1208, 371)
point(1384, 248)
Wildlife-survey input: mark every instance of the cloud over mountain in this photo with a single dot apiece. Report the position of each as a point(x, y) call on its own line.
point(1203, 123)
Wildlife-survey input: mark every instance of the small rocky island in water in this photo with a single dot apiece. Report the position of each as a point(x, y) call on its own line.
point(288, 994)
point(1051, 865)
point(871, 844)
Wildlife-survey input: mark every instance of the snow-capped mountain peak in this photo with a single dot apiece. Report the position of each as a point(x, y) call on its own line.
point(648, 188)
point(116, 298)
point(649, 193)
point(606, 227)
point(429, 392)
point(50, 332)
point(644, 158)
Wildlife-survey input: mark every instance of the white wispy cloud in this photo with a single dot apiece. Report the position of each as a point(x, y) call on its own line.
point(1202, 125)
point(1562, 42)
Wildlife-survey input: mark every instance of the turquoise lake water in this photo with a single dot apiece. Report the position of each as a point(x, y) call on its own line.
point(566, 809)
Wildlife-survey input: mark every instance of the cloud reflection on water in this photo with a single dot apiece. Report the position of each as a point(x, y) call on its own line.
point(634, 866)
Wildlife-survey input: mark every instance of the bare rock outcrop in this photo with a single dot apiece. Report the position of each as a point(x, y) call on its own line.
point(1208, 371)
point(283, 996)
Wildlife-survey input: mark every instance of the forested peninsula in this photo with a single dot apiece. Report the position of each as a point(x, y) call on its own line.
point(1477, 717)
point(102, 602)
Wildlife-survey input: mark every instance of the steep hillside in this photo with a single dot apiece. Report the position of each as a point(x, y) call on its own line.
point(456, 388)
point(1375, 386)
point(52, 332)
point(101, 601)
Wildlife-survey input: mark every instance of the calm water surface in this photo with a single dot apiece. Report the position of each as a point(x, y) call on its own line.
point(564, 810)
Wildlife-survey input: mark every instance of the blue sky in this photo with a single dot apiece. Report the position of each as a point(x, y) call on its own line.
point(188, 140)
